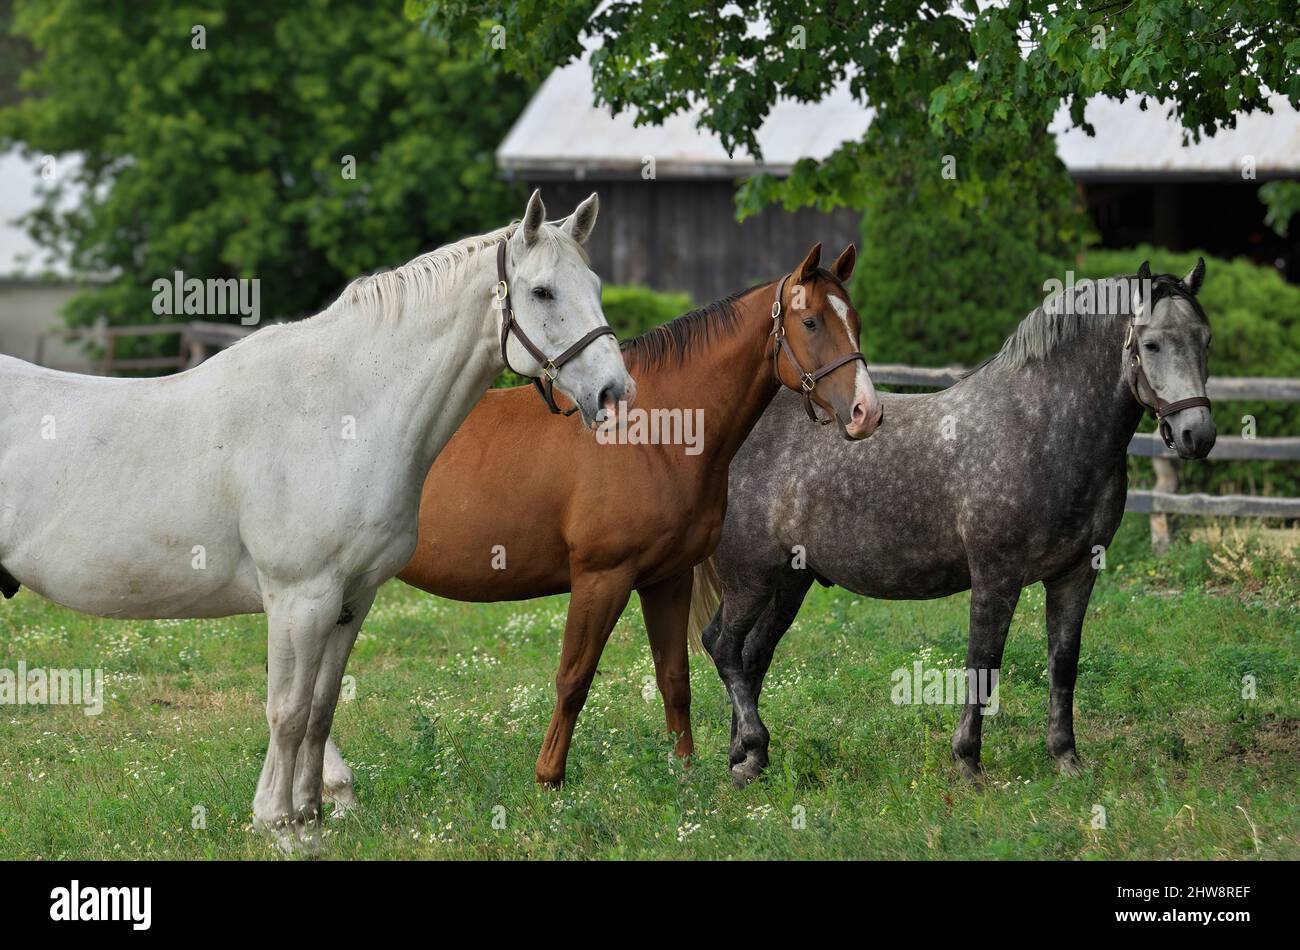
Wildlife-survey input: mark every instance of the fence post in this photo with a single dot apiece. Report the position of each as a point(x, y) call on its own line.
point(1166, 481)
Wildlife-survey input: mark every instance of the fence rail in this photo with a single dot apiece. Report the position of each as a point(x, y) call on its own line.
point(199, 340)
point(1164, 500)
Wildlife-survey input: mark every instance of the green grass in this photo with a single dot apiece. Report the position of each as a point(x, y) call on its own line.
point(452, 700)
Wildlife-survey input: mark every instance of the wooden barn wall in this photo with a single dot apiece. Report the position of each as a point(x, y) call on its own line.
point(683, 235)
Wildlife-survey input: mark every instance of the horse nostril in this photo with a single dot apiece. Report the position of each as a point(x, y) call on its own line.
point(1189, 442)
point(859, 413)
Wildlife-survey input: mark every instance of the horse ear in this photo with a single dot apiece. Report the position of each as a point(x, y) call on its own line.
point(534, 218)
point(579, 224)
point(809, 265)
point(1194, 277)
point(1143, 283)
point(843, 266)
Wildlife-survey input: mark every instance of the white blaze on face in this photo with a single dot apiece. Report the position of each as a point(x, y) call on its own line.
point(861, 381)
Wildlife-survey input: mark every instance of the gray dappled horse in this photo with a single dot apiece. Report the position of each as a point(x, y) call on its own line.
point(1015, 474)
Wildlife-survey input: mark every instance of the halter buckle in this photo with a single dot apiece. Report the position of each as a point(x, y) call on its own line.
point(776, 309)
point(501, 291)
point(807, 383)
point(551, 370)
point(1128, 337)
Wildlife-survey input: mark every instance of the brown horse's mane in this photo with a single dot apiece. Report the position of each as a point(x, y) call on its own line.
point(671, 342)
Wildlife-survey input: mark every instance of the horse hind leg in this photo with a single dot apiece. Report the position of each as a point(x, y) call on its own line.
point(744, 609)
point(338, 782)
point(666, 607)
point(752, 735)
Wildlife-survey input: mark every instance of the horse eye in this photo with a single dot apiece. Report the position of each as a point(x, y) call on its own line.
point(810, 323)
point(1151, 347)
point(543, 293)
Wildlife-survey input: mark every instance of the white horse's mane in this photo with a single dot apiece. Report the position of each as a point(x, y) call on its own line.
point(423, 279)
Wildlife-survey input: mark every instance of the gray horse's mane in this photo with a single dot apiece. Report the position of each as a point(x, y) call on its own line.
point(1037, 335)
point(1048, 327)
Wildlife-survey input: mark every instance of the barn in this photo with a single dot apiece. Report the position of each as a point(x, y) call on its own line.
point(667, 191)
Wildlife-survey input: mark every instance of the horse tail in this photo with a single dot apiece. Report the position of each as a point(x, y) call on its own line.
point(706, 598)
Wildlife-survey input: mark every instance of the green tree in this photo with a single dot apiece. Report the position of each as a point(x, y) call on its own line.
point(946, 272)
point(219, 141)
point(966, 69)
point(949, 260)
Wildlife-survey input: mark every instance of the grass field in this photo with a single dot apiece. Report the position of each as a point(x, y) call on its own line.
point(451, 701)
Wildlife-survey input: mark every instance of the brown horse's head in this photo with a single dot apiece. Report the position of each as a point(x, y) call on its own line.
point(821, 327)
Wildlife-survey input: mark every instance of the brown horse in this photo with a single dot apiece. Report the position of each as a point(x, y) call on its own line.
point(558, 510)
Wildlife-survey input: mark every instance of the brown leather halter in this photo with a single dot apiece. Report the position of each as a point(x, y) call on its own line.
point(1141, 387)
point(807, 381)
point(550, 367)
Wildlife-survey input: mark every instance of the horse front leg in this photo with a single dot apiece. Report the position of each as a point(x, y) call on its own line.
point(666, 607)
point(1067, 603)
point(317, 774)
point(299, 623)
point(597, 600)
point(992, 604)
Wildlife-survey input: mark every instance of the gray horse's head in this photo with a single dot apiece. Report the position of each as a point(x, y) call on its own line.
point(1173, 336)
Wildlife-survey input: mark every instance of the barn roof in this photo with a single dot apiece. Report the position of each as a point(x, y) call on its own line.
point(562, 133)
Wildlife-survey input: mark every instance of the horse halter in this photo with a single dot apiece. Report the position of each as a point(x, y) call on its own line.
point(550, 367)
point(807, 381)
point(1136, 375)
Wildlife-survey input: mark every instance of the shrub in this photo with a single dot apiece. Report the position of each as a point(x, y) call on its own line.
point(950, 265)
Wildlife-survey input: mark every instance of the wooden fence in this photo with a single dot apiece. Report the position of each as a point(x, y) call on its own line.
point(199, 339)
point(1164, 499)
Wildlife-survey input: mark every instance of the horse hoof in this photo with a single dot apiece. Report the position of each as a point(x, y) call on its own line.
point(309, 843)
point(1069, 764)
point(280, 833)
point(342, 798)
point(745, 772)
point(972, 772)
point(552, 783)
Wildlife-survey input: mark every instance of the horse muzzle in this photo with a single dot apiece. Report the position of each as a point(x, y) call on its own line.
point(1189, 432)
point(604, 407)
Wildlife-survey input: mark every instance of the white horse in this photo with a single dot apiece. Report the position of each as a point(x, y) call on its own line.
point(284, 474)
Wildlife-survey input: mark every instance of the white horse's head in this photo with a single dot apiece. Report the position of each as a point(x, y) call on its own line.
point(556, 301)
